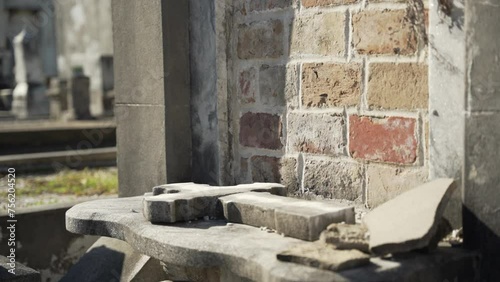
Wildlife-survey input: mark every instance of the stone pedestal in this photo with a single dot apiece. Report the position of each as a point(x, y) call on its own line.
point(80, 92)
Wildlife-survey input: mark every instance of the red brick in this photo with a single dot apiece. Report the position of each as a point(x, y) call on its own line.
point(389, 140)
point(247, 86)
point(260, 130)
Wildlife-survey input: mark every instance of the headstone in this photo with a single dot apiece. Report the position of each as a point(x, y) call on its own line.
point(188, 201)
point(80, 92)
point(324, 256)
point(20, 94)
point(409, 221)
point(292, 217)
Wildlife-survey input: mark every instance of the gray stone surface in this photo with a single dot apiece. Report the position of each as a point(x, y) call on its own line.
point(247, 252)
point(447, 68)
point(140, 135)
point(188, 201)
point(151, 59)
point(409, 221)
point(111, 259)
point(80, 93)
point(324, 256)
point(346, 236)
point(292, 217)
point(22, 273)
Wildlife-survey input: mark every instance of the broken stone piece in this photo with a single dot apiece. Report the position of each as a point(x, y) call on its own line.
point(292, 217)
point(409, 221)
point(324, 256)
point(346, 236)
point(188, 201)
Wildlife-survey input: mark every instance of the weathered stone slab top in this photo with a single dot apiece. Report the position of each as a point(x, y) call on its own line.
point(246, 251)
point(188, 201)
point(296, 218)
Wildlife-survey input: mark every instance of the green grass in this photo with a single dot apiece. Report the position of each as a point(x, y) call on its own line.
point(87, 182)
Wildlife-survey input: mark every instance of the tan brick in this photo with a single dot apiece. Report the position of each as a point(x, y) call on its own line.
point(401, 86)
point(262, 39)
point(334, 179)
point(331, 85)
point(319, 34)
point(383, 33)
point(387, 182)
point(320, 3)
point(316, 133)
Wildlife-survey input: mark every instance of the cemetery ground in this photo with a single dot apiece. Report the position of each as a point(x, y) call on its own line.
point(62, 187)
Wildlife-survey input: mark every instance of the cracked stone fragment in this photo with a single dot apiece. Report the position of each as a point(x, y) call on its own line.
point(346, 236)
point(324, 256)
point(409, 221)
point(189, 201)
point(292, 217)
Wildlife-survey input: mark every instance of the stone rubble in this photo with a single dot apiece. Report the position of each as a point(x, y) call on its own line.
point(409, 221)
point(346, 236)
point(295, 218)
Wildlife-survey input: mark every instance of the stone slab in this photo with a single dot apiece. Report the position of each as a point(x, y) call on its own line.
point(409, 221)
point(292, 217)
point(324, 256)
point(23, 273)
point(246, 251)
point(346, 236)
point(188, 201)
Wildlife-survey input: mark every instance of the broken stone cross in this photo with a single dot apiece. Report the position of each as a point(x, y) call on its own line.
point(188, 201)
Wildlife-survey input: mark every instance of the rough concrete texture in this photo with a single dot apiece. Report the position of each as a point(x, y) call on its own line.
point(346, 236)
point(409, 221)
point(316, 133)
point(386, 182)
point(257, 40)
point(402, 86)
point(319, 34)
point(391, 140)
point(270, 169)
point(261, 130)
point(22, 273)
point(333, 179)
point(296, 218)
point(331, 85)
point(188, 201)
point(384, 32)
point(324, 256)
point(111, 259)
point(245, 253)
point(265, 169)
point(319, 3)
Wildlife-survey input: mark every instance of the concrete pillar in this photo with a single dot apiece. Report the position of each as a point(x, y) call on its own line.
point(481, 193)
point(152, 88)
point(465, 116)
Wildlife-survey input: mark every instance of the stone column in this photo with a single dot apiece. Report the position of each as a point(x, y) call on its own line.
point(481, 193)
point(151, 44)
point(465, 116)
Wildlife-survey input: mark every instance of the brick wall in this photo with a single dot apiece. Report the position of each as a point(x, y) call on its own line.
point(332, 96)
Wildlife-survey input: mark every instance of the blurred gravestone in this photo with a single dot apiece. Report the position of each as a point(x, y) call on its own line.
point(80, 92)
